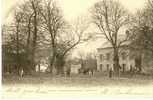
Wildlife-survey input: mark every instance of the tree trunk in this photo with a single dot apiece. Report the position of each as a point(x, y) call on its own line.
point(17, 48)
point(39, 68)
point(29, 48)
point(60, 70)
point(34, 39)
point(60, 62)
point(116, 63)
point(52, 59)
point(138, 63)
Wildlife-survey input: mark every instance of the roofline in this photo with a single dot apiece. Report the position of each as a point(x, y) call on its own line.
point(111, 47)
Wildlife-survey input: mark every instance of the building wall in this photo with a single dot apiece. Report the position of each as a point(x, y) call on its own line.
point(147, 63)
point(105, 59)
point(75, 68)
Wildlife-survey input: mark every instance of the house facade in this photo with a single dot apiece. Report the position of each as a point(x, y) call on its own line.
point(105, 59)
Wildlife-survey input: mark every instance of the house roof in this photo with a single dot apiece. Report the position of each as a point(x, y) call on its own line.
point(107, 45)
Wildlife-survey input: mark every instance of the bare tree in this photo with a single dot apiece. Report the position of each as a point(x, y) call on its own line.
point(14, 42)
point(76, 35)
point(71, 38)
point(148, 13)
point(53, 23)
point(29, 27)
point(110, 16)
point(142, 30)
point(35, 6)
point(18, 20)
point(150, 4)
point(27, 30)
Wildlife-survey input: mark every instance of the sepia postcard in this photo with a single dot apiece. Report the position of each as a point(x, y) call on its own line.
point(80, 48)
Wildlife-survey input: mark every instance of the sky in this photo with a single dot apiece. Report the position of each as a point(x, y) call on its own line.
point(71, 10)
point(74, 8)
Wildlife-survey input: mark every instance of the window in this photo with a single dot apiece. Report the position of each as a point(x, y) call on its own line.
point(101, 57)
point(113, 66)
point(108, 56)
point(123, 66)
point(101, 67)
point(107, 67)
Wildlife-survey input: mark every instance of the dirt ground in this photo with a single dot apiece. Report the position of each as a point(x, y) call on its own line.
point(46, 85)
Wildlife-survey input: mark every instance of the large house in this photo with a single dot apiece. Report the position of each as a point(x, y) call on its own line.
point(128, 59)
point(105, 59)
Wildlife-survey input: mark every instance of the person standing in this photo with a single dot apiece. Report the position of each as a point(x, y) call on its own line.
point(21, 73)
point(110, 72)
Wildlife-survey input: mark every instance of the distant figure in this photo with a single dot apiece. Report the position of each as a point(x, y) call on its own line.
point(91, 72)
point(133, 71)
point(21, 72)
point(131, 68)
point(110, 73)
point(68, 72)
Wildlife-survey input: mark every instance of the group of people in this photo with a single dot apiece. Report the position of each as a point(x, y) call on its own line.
point(86, 71)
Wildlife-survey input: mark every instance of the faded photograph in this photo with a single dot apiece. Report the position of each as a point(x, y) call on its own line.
point(76, 48)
